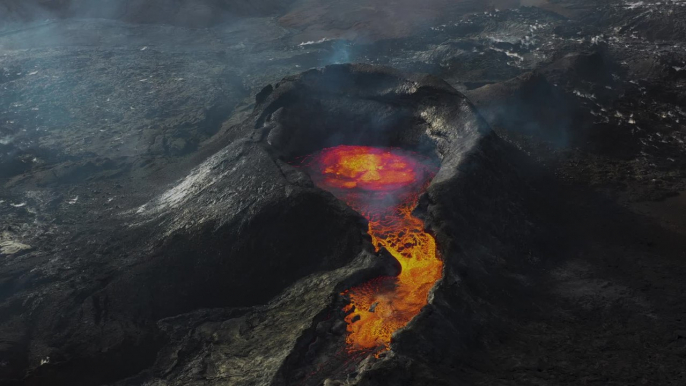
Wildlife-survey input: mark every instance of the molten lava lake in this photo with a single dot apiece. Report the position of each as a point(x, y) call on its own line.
point(384, 185)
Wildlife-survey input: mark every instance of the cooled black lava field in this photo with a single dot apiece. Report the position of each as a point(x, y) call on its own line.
point(312, 192)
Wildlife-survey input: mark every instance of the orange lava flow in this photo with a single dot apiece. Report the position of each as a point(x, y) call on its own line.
point(384, 185)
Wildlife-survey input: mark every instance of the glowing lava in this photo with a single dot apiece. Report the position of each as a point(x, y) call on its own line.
point(384, 185)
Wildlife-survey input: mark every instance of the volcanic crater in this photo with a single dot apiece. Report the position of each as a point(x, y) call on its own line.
point(319, 127)
point(264, 207)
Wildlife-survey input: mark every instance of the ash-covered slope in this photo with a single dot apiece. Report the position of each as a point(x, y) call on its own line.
point(234, 233)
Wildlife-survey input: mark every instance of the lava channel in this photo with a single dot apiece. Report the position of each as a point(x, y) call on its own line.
point(383, 184)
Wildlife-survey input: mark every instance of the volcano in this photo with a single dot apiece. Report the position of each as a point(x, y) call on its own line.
point(367, 143)
point(352, 194)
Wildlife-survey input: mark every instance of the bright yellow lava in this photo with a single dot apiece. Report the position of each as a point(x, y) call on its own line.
point(384, 186)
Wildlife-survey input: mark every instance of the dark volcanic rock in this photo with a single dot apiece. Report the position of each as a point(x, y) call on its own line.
point(184, 13)
point(234, 233)
point(244, 226)
point(374, 106)
point(151, 228)
point(531, 105)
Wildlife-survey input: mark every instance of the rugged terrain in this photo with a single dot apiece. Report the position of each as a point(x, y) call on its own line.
point(154, 232)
